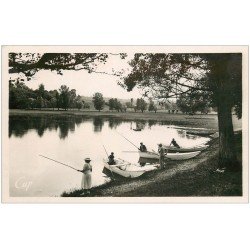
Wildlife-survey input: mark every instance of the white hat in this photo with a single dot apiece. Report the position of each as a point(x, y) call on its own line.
point(87, 159)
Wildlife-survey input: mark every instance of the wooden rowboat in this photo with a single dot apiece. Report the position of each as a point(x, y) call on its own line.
point(200, 133)
point(121, 169)
point(172, 149)
point(171, 156)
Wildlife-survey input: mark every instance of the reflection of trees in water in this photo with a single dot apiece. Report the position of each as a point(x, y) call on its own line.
point(140, 124)
point(152, 123)
point(63, 130)
point(98, 124)
point(181, 133)
point(19, 125)
point(17, 128)
point(78, 120)
point(41, 124)
point(164, 123)
point(114, 123)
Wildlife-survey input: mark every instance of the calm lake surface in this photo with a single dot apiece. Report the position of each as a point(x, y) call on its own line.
point(70, 140)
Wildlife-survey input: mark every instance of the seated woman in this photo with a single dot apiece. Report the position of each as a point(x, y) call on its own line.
point(111, 159)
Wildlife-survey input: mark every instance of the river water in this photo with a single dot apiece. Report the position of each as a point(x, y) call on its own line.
point(70, 140)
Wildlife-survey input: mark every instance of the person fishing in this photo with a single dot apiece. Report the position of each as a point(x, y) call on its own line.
point(161, 154)
point(111, 159)
point(174, 143)
point(86, 177)
point(143, 147)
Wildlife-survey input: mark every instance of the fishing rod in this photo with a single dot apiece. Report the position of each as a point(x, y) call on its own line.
point(128, 140)
point(105, 151)
point(60, 163)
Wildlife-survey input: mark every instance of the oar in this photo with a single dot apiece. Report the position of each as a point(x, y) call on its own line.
point(60, 163)
point(128, 140)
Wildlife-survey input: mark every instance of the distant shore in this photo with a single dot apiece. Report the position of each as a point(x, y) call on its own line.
point(190, 178)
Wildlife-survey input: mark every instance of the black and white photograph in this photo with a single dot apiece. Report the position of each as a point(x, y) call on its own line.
point(125, 123)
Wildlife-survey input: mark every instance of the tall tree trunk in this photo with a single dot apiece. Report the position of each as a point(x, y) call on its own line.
point(227, 154)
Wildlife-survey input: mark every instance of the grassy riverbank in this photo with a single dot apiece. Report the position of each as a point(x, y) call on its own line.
point(194, 177)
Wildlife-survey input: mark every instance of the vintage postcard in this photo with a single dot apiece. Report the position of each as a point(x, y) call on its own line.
point(125, 124)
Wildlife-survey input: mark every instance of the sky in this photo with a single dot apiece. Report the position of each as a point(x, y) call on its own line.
point(87, 84)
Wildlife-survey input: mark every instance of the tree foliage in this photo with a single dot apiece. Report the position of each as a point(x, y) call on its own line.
point(98, 101)
point(64, 97)
point(192, 103)
point(164, 76)
point(22, 97)
point(30, 63)
point(216, 77)
point(115, 104)
point(141, 104)
point(152, 107)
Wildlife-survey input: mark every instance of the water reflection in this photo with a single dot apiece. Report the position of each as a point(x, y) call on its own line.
point(140, 124)
point(98, 124)
point(19, 125)
point(114, 123)
point(181, 133)
point(151, 123)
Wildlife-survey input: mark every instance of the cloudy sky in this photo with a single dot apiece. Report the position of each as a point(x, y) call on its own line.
point(87, 84)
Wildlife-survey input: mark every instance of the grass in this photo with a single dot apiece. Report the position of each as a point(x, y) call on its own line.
point(196, 177)
point(202, 181)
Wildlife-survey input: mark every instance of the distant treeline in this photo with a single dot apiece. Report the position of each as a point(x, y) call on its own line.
point(23, 97)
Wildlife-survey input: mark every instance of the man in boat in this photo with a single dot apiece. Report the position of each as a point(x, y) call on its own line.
point(111, 159)
point(174, 143)
point(143, 147)
point(161, 152)
point(86, 177)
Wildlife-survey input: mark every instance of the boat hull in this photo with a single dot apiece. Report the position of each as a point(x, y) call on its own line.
point(171, 156)
point(204, 134)
point(121, 170)
point(172, 149)
point(149, 155)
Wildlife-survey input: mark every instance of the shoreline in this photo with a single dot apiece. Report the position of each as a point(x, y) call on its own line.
point(194, 177)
